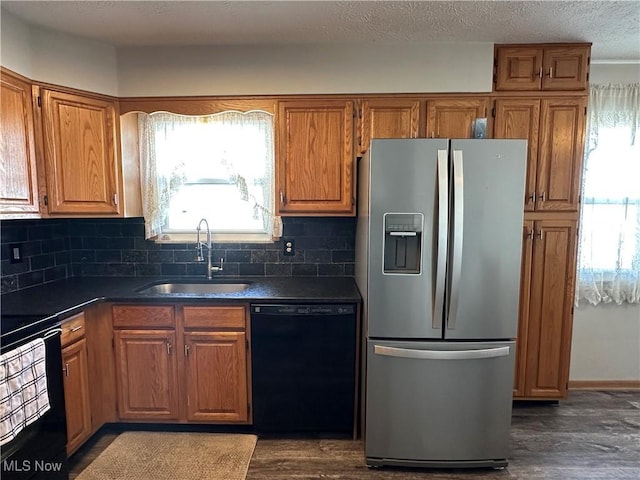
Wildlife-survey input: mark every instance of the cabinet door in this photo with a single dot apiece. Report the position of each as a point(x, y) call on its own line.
point(523, 315)
point(216, 372)
point(80, 157)
point(76, 394)
point(550, 311)
point(454, 118)
point(559, 172)
point(315, 158)
point(518, 68)
point(18, 179)
point(520, 118)
point(565, 68)
point(146, 374)
point(388, 118)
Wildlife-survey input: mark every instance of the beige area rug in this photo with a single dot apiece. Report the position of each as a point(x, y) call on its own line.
point(173, 456)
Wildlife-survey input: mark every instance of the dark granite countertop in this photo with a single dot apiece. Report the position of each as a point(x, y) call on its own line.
point(65, 297)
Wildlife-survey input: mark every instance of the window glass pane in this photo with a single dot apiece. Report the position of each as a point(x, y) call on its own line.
point(221, 205)
point(614, 154)
point(608, 239)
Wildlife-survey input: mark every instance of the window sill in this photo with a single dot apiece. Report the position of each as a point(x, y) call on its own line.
point(215, 238)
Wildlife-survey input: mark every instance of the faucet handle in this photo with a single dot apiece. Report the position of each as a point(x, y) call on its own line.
point(218, 268)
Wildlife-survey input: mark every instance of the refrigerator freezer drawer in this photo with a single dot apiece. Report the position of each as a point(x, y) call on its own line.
point(438, 403)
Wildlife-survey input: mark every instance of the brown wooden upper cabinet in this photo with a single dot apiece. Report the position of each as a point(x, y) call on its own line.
point(82, 167)
point(315, 162)
point(18, 177)
point(454, 118)
point(387, 118)
point(554, 128)
point(542, 67)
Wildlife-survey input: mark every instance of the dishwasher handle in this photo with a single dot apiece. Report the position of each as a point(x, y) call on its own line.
point(317, 309)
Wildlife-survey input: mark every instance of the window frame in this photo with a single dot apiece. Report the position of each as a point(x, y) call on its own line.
point(201, 106)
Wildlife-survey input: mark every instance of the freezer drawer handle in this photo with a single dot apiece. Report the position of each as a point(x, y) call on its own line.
point(441, 354)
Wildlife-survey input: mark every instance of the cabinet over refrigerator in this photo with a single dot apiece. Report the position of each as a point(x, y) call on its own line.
point(438, 249)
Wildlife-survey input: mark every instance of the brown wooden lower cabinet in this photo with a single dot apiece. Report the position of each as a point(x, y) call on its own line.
point(546, 309)
point(190, 367)
point(75, 368)
point(216, 375)
point(147, 374)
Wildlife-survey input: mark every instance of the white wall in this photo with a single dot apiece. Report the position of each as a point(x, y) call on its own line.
point(606, 343)
point(242, 70)
point(52, 57)
point(614, 73)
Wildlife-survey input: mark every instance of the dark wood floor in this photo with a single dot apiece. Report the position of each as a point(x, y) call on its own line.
point(592, 435)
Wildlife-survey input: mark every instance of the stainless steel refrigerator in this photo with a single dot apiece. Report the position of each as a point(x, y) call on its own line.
point(438, 257)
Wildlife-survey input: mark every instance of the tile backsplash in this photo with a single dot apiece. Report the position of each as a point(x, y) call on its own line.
point(60, 248)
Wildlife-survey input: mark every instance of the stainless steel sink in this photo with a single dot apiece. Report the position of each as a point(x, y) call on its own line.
point(170, 288)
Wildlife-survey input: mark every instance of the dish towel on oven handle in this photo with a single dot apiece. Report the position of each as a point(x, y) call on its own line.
point(23, 388)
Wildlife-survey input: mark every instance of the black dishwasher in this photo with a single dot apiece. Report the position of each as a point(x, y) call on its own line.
point(303, 368)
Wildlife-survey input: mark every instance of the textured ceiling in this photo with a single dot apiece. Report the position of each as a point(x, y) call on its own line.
point(612, 26)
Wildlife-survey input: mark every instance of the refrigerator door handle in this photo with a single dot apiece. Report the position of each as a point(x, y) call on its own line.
point(441, 354)
point(441, 259)
point(457, 233)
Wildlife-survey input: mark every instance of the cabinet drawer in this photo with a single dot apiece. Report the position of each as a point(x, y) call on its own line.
point(214, 317)
point(143, 316)
point(72, 329)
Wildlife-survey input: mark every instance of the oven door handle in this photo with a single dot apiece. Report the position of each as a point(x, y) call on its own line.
point(52, 333)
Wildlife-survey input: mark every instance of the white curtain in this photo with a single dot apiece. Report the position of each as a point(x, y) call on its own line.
point(609, 249)
point(173, 147)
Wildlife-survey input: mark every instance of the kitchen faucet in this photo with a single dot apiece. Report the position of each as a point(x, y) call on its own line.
point(200, 245)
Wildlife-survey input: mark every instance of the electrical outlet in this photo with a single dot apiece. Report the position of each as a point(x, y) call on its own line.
point(289, 248)
point(15, 253)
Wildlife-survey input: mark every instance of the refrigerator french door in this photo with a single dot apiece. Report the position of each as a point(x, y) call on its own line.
point(438, 248)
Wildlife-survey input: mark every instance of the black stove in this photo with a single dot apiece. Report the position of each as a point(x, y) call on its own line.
point(14, 328)
point(38, 452)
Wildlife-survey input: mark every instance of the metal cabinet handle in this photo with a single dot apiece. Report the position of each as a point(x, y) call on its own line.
point(281, 196)
point(169, 346)
point(542, 197)
point(532, 197)
point(76, 328)
point(540, 73)
point(65, 369)
point(186, 350)
point(540, 234)
point(550, 72)
point(530, 234)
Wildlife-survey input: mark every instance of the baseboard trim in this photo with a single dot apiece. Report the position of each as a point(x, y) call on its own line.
point(604, 384)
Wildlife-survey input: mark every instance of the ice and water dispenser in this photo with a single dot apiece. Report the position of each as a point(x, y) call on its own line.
point(402, 243)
